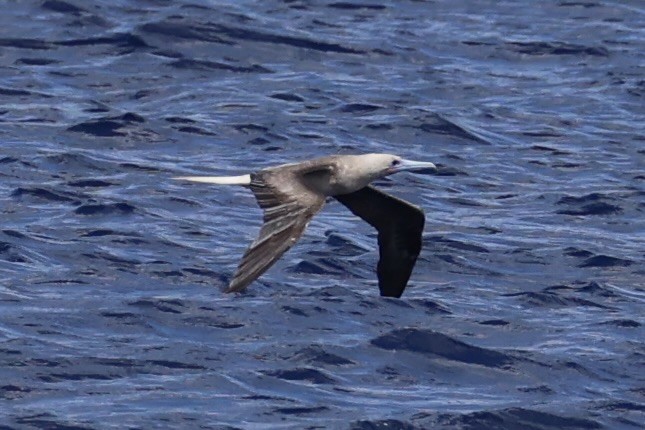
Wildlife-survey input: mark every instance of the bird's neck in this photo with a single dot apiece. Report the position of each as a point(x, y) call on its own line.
point(351, 178)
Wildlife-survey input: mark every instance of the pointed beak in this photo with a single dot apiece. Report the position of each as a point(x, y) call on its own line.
point(415, 166)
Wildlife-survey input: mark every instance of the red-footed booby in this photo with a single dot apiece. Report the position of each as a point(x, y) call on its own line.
point(291, 194)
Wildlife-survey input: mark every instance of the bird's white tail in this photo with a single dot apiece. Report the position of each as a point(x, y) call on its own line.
point(221, 180)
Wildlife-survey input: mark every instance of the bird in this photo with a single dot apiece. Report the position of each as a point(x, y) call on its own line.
point(291, 194)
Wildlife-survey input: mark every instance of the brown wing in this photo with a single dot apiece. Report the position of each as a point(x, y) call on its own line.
point(399, 225)
point(288, 207)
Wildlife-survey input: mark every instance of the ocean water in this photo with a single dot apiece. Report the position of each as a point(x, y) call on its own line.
point(524, 311)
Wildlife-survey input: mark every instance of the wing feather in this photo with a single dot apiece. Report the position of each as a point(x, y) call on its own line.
point(286, 215)
point(400, 228)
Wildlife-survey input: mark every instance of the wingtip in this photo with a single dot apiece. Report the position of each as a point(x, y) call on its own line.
point(230, 290)
point(236, 287)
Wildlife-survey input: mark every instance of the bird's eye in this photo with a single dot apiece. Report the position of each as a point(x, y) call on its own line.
point(395, 163)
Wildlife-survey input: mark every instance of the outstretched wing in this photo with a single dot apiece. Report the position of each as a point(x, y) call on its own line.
point(400, 227)
point(288, 207)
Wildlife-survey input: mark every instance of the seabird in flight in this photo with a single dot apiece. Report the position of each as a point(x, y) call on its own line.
point(291, 194)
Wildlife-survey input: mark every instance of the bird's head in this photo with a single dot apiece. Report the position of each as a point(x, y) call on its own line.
point(381, 165)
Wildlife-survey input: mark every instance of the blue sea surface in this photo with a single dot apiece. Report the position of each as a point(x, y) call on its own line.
point(525, 308)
